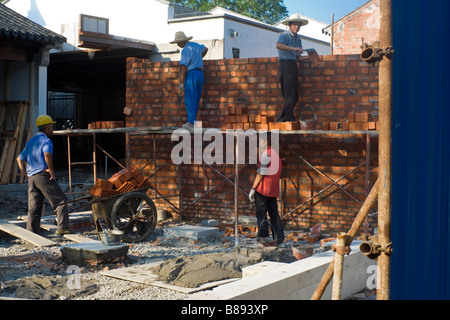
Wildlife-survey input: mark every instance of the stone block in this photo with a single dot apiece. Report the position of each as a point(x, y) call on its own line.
point(192, 232)
point(92, 252)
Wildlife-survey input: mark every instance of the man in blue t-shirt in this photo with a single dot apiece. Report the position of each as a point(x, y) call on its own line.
point(289, 47)
point(191, 75)
point(36, 164)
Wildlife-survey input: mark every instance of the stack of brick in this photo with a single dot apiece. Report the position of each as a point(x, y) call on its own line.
point(121, 182)
point(239, 118)
point(106, 124)
point(355, 122)
point(361, 122)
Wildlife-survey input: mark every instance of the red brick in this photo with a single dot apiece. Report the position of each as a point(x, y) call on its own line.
point(363, 117)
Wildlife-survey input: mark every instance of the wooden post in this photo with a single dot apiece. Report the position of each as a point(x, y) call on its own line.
point(332, 33)
point(385, 158)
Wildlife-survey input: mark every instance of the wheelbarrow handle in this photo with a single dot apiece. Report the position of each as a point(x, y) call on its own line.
point(82, 198)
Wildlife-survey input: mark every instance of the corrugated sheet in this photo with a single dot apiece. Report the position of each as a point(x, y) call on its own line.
point(420, 265)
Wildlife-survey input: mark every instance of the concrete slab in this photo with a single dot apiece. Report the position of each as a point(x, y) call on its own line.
point(210, 223)
point(92, 252)
point(260, 267)
point(191, 232)
point(297, 280)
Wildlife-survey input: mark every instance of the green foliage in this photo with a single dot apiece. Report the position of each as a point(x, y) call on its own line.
point(268, 11)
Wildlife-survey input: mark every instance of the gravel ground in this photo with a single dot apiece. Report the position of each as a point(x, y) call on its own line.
point(40, 273)
point(30, 272)
point(19, 261)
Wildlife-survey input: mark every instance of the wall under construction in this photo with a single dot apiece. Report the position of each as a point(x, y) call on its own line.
point(245, 93)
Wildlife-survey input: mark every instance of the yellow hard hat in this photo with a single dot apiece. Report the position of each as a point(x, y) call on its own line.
point(43, 120)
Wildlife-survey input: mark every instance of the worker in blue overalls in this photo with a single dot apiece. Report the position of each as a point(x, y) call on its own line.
point(36, 164)
point(191, 75)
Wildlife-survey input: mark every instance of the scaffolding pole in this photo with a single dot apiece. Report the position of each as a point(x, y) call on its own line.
point(385, 155)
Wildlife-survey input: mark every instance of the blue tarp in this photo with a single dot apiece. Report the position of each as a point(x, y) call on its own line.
point(420, 264)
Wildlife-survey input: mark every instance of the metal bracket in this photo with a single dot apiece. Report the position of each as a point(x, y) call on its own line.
point(372, 54)
point(373, 249)
point(342, 250)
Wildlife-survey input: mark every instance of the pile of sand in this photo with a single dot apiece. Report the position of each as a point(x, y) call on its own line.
point(193, 271)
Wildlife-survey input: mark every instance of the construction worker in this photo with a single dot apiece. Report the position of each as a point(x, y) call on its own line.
point(289, 47)
point(191, 75)
point(265, 191)
point(36, 164)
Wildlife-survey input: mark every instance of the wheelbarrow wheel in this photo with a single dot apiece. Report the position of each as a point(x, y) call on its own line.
point(135, 214)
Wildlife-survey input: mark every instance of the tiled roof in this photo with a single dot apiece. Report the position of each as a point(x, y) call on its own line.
point(16, 27)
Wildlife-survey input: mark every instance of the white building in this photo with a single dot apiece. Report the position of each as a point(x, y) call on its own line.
point(148, 22)
point(87, 76)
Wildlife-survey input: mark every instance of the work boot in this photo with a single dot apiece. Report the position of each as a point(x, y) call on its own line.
point(64, 231)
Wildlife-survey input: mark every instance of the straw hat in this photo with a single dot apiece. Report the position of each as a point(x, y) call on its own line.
point(180, 37)
point(295, 18)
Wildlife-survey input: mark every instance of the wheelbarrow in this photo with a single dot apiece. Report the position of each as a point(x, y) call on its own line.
point(132, 212)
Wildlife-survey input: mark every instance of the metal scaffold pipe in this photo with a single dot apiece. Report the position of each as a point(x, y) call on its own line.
point(385, 152)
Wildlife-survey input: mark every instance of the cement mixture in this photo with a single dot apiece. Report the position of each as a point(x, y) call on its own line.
point(193, 271)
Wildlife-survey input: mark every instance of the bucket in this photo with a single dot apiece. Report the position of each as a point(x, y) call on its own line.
point(111, 237)
point(107, 236)
point(302, 251)
point(307, 124)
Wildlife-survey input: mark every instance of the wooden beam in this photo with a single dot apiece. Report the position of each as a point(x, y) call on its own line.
point(25, 234)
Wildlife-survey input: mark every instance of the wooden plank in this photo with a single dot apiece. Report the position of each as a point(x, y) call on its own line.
point(6, 173)
point(4, 155)
point(72, 237)
point(3, 107)
point(25, 234)
point(29, 135)
point(47, 224)
point(21, 126)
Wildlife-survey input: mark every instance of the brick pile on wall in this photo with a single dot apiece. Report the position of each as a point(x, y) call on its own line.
point(341, 85)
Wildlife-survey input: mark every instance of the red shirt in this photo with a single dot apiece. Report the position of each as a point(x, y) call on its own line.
point(270, 167)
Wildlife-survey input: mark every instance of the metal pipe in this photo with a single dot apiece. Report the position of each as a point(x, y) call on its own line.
point(371, 54)
point(338, 266)
point(236, 198)
point(94, 156)
point(323, 190)
point(325, 175)
point(367, 184)
point(69, 163)
point(385, 155)
point(370, 248)
point(359, 220)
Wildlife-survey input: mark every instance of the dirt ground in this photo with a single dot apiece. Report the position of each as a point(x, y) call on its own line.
point(29, 272)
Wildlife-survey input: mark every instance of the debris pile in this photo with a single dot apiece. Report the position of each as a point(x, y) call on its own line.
point(121, 182)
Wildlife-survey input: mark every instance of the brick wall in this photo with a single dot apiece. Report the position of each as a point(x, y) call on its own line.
point(363, 23)
point(342, 84)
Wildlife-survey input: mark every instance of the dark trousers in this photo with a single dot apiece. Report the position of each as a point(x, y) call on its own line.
point(288, 76)
point(40, 187)
point(263, 206)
